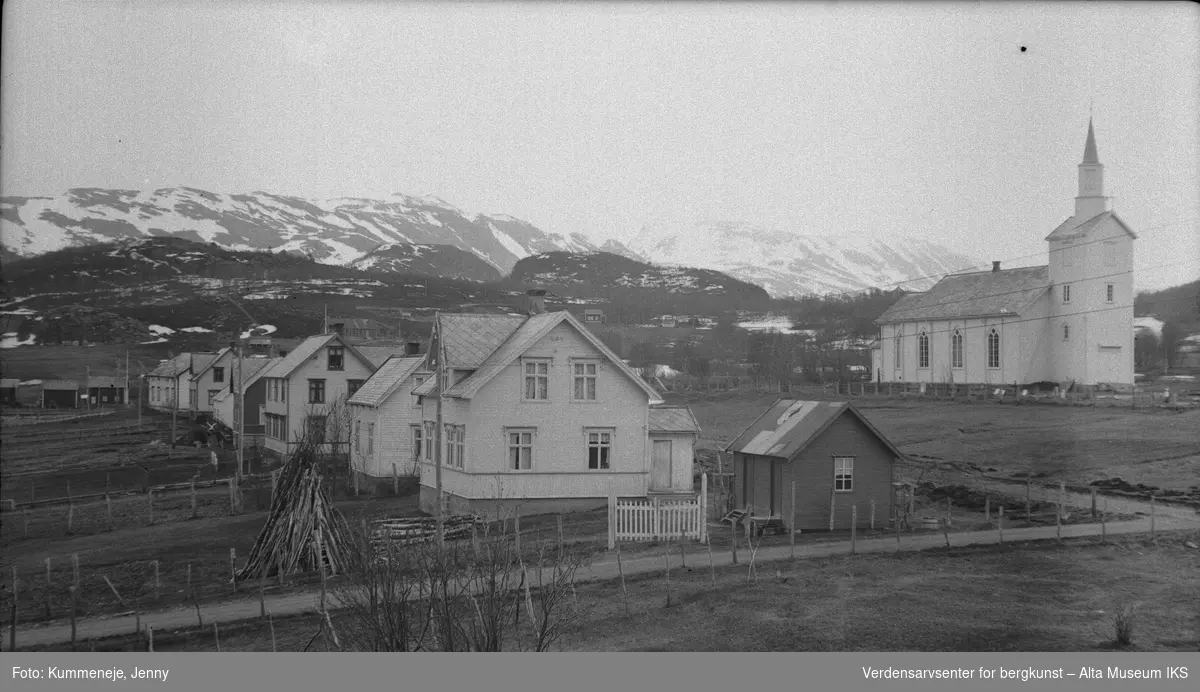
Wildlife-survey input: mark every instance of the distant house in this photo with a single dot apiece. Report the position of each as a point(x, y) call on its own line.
point(301, 387)
point(106, 391)
point(8, 391)
point(593, 316)
point(833, 454)
point(356, 327)
point(60, 394)
point(208, 381)
point(259, 345)
point(169, 384)
point(253, 396)
point(538, 412)
point(388, 436)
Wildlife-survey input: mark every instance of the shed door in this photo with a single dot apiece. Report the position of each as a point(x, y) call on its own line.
point(660, 470)
point(763, 482)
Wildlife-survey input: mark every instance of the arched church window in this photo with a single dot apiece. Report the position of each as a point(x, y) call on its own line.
point(1066, 331)
point(897, 352)
point(993, 348)
point(956, 349)
point(923, 349)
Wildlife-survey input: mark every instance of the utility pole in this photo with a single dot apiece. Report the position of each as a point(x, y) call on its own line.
point(127, 379)
point(437, 435)
point(87, 388)
point(236, 376)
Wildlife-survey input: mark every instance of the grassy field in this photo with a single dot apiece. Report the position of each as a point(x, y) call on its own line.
point(1073, 444)
point(1032, 597)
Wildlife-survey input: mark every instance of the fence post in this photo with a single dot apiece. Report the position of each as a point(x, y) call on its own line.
point(150, 504)
point(733, 540)
point(792, 523)
point(193, 484)
point(233, 567)
point(656, 524)
point(987, 508)
point(108, 509)
point(704, 508)
point(832, 504)
point(48, 588)
point(872, 514)
point(1000, 524)
point(612, 516)
point(853, 527)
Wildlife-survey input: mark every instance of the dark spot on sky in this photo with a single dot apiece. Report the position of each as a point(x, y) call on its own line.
point(1022, 49)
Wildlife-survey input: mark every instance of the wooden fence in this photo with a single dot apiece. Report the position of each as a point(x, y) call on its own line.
point(659, 519)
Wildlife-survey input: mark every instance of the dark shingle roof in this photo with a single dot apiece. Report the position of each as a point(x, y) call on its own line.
point(386, 380)
point(978, 294)
point(789, 426)
point(469, 339)
point(105, 382)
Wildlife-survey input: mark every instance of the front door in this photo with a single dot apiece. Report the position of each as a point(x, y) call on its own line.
point(660, 469)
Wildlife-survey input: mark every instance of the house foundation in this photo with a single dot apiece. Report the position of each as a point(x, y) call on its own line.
point(492, 509)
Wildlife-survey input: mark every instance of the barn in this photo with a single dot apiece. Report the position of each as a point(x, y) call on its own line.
point(106, 391)
point(836, 458)
point(60, 394)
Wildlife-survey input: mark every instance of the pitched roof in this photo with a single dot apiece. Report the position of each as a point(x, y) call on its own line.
point(307, 349)
point(673, 419)
point(104, 382)
point(379, 354)
point(528, 333)
point(978, 294)
point(208, 366)
point(789, 426)
point(172, 367)
point(386, 380)
point(253, 370)
point(1077, 227)
point(469, 339)
point(71, 385)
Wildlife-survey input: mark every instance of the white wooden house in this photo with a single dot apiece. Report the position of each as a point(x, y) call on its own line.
point(538, 412)
point(209, 380)
point(303, 385)
point(386, 420)
point(169, 384)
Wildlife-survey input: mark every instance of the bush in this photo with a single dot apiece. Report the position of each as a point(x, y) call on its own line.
point(1123, 625)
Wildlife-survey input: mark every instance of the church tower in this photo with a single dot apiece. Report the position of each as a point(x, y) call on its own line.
point(1091, 200)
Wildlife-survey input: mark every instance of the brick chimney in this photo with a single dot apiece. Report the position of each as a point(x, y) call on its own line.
point(995, 266)
point(536, 299)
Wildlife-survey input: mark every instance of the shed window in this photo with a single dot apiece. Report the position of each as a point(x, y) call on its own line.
point(843, 474)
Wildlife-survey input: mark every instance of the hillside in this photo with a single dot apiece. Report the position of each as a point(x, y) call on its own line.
point(1178, 307)
point(788, 263)
point(427, 260)
point(333, 231)
point(601, 272)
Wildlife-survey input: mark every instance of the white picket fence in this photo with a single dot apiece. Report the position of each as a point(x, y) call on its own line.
point(658, 519)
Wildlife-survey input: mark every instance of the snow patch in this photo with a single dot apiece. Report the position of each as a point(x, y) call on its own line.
point(196, 330)
point(11, 340)
point(159, 330)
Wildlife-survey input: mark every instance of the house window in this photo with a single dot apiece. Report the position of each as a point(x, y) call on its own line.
point(357, 436)
point(316, 391)
point(370, 439)
point(418, 381)
point(428, 427)
point(218, 374)
point(843, 474)
point(599, 443)
point(276, 426)
point(956, 349)
point(212, 394)
point(337, 358)
point(520, 449)
point(1066, 293)
point(923, 350)
point(353, 386)
point(1066, 331)
point(1109, 292)
point(455, 439)
point(585, 381)
point(316, 428)
point(993, 348)
point(418, 438)
point(537, 380)
point(897, 351)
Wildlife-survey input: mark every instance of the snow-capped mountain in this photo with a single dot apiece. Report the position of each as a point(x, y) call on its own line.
point(791, 264)
point(333, 231)
point(602, 272)
point(427, 260)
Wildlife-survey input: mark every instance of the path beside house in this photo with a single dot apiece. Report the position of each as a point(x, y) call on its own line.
point(603, 568)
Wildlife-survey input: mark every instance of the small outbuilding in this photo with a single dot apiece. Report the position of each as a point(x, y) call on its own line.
point(835, 456)
point(8, 391)
point(60, 394)
point(106, 391)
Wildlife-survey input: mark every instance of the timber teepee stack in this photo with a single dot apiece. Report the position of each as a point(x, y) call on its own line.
point(302, 517)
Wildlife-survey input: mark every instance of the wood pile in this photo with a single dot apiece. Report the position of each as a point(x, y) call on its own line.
point(411, 530)
point(301, 517)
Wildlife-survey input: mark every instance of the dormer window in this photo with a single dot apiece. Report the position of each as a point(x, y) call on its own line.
point(337, 358)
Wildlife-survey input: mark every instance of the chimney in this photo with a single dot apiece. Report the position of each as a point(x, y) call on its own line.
point(412, 348)
point(995, 266)
point(537, 301)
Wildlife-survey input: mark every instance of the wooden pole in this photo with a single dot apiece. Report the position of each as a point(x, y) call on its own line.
point(150, 504)
point(667, 572)
point(1000, 524)
point(733, 540)
point(75, 568)
point(437, 437)
point(216, 637)
point(193, 484)
point(233, 567)
point(1104, 523)
point(150, 637)
point(12, 623)
point(872, 509)
point(621, 571)
point(157, 582)
point(48, 587)
point(792, 524)
point(74, 591)
point(271, 624)
point(832, 504)
point(395, 481)
point(712, 568)
point(108, 510)
point(987, 508)
point(853, 528)
point(897, 533)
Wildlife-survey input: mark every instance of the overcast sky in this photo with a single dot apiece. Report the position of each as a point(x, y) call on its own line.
point(924, 120)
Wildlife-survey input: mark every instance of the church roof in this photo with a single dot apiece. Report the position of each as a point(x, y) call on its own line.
point(978, 294)
point(1075, 226)
point(1089, 149)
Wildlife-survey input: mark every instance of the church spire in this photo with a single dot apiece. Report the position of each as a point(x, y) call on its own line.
point(1089, 149)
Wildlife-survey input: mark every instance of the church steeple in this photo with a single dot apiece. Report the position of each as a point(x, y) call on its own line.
point(1091, 200)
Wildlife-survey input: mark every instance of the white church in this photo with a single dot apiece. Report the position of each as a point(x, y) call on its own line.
point(1069, 322)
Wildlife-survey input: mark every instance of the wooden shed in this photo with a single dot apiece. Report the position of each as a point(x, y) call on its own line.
point(60, 394)
point(835, 456)
point(105, 391)
point(8, 391)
